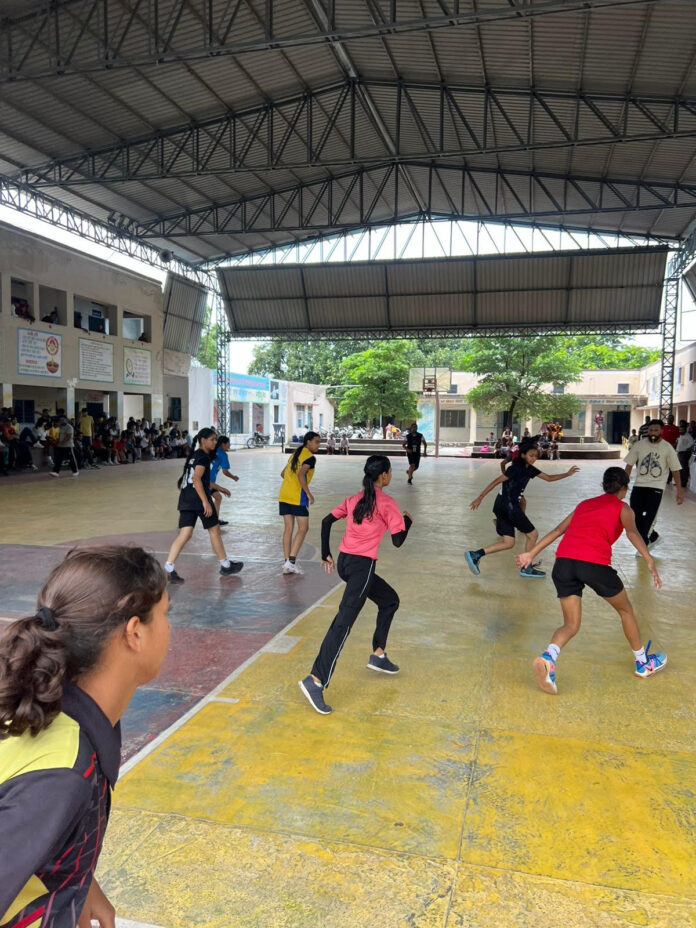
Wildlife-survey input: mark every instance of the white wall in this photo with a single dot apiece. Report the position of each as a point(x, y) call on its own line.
point(200, 398)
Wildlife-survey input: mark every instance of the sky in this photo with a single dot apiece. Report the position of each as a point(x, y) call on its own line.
point(241, 351)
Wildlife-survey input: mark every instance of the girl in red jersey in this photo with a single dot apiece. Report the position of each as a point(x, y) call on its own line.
point(583, 559)
point(369, 515)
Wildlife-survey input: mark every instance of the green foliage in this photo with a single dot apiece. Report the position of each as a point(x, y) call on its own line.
point(207, 350)
point(611, 354)
point(514, 371)
point(380, 375)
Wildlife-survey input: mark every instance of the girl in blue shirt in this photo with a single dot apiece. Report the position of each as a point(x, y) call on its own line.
point(221, 462)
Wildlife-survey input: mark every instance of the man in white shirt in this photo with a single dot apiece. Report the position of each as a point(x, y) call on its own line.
point(655, 458)
point(685, 448)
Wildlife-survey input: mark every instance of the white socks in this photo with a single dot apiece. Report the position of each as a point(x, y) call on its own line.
point(554, 651)
point(640, 656)
point(225, 563)
point(169, 567)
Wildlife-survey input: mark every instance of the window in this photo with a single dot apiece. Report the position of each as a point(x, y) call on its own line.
point(174, 409)
point(653, 383)
point(692, 371)
point(558, 389)
point(454, 388)
point(622, 388)
point(452, 418)
point(680, 375)
point(236, 421)
point(299, 416)
point(24, 410)
point(321, 420)
point(276, 413)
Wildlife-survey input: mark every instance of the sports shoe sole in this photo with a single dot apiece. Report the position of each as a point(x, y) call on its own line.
point(311, 701)
point(644, 676)
point(381, 669)
point(541, 673)
point(473, 567)
point(532, 576)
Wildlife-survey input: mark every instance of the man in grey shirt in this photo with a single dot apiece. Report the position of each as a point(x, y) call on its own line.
point(655, 458)
point(65, 448)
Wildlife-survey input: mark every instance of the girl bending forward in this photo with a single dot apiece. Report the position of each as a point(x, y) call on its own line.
point(295, 499)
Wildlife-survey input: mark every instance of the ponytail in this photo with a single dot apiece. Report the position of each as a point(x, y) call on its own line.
point(204, 433)
point(86, 599)
point(298, 451)
point(375, 466)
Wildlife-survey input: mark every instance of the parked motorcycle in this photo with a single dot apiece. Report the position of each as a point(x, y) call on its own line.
point(258, 440)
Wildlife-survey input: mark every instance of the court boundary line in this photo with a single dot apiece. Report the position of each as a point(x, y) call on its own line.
point(147, 749)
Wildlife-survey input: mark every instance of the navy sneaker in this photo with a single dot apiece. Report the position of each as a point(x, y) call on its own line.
point(234, 568)
point(531, 572)
point(173, 576)
point(223, 522)
point(315, 695)
point(472, 559)
point(381, 664)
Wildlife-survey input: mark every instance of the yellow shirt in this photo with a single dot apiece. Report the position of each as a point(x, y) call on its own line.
point(85, 426)
point(290, 489)
point(53, 433)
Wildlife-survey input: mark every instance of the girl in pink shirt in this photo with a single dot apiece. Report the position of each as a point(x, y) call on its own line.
point(369, 515)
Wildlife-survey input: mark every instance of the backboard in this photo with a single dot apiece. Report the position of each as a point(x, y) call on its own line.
point(429, 379)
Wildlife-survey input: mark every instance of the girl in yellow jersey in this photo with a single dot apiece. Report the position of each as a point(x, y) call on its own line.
point(295, 498)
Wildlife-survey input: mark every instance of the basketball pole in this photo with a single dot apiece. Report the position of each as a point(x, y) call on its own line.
point(437, 417)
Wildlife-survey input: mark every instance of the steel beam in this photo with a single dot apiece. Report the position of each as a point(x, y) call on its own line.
point(375, 196)
point(669, 344)
point(326, 128)
point(84, 36)
point(222, 389)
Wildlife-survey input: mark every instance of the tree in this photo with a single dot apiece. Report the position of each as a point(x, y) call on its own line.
point(380, 375)
point(611, 354)
point(514, 372)
point(207, 349)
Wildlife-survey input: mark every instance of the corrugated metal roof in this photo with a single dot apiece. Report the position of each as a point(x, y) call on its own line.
point(184, 314)
point(603, 288)
point(643, 49)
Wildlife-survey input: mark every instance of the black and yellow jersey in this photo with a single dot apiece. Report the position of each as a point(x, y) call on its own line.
point(290, 489)
point(55, 797)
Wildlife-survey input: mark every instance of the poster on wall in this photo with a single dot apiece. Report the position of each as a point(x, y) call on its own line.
point(96, 360)
point(426, 418)
point(137, 367)
point(39, 354)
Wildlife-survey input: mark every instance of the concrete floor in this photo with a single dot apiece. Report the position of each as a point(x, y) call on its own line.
point(453, 794)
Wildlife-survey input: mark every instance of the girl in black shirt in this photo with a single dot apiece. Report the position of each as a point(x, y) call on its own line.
point(196, 502)
point(508, 511)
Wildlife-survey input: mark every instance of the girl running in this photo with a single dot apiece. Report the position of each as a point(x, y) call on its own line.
point(294, 499)
point(196, 502)
point(583, 559)
point(221, 462)
point(508, 511)
point(67, 674)
point(369, 515)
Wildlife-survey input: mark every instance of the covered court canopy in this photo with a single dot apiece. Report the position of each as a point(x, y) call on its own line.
point(619, 289)
point(211, 128)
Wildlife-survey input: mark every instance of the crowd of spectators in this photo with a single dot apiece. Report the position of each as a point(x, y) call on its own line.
point(85, 441)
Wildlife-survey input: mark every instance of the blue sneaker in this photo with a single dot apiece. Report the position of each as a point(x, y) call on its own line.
point(545, 673)
point(532, 573)
point(381, 664)
point(654, 662)
point(315, 695)
point(472, 559)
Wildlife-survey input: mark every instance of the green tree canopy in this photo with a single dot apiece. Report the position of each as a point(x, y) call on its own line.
point(380, 375)
point(207, 349)
point(600, 353)
point(514, 371)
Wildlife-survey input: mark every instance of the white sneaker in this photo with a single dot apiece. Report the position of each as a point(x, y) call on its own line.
point(290, 568)
point(76, 474)
point(52, 473)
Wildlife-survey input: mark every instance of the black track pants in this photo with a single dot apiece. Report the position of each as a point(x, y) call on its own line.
point(361, 583)
point(645, 502)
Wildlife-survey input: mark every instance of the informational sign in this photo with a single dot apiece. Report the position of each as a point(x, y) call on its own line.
point(96, 360)
point(426, 418)
point(39, 354)
point(137, 367)
point(246, 388)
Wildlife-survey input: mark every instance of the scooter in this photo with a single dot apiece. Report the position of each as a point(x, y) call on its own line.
point(258, 440)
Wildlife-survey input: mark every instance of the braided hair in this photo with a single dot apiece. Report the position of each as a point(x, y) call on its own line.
point(375, 466)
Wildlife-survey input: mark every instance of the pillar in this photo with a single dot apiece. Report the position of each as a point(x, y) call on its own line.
point(6, 395)
point(589, 424)
point(472, 425)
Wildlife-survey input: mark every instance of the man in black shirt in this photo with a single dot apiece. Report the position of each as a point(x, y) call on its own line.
point(412, 444)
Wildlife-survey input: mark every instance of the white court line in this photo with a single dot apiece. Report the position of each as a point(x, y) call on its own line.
point(210, 697)
point(125, 923)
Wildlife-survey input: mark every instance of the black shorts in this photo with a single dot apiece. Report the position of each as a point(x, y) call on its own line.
point(289, 509)
point(570, 577)
point(188, 517)
point(510, 517)
point(413, 459)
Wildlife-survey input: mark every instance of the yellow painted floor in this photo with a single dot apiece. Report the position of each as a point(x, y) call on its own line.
point(453, 794)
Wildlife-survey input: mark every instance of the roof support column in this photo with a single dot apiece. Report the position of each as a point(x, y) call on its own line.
point(669, 344)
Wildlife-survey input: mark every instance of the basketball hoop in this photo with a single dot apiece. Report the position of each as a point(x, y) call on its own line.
point(429, 384)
